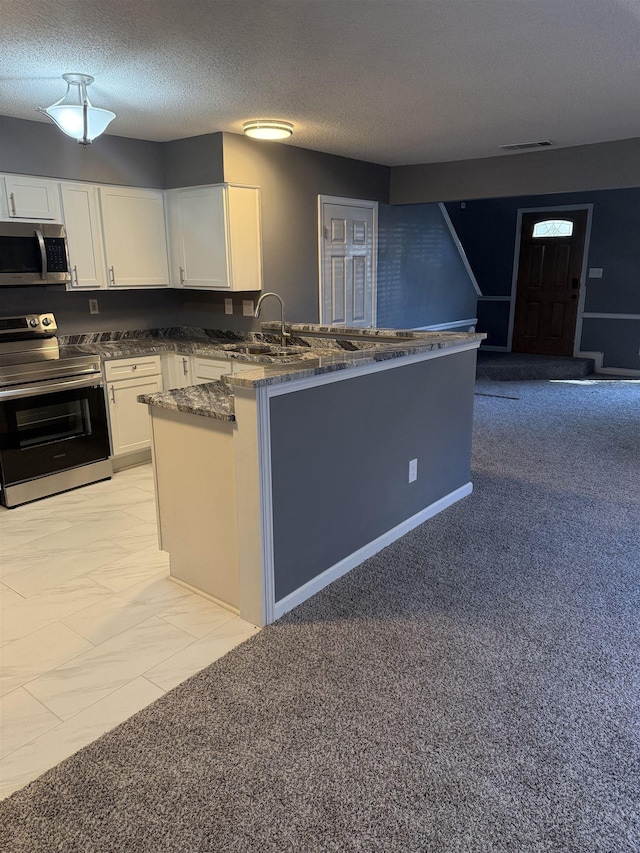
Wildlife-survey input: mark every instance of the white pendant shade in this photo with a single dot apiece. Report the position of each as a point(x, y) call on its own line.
point(74, 113)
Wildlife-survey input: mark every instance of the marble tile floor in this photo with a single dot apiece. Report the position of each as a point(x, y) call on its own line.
point(91, 627)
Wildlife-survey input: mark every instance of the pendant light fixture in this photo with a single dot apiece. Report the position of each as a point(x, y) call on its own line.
point(268, 129)
point(75, 115)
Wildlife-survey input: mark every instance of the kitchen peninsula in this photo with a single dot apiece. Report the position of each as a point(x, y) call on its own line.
point(273, 482)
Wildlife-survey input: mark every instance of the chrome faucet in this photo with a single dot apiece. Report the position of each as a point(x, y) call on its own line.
point(283, 329)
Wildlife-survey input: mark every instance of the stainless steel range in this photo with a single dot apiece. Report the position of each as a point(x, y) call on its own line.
point(53, 422)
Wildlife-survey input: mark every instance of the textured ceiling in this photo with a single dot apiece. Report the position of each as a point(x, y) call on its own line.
point(390, 81)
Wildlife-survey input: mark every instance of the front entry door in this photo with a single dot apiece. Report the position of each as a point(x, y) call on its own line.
point(548, 284)
point(347, 262)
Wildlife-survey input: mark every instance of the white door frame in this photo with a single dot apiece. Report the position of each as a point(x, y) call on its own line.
point(354, 202)
point(583, 272)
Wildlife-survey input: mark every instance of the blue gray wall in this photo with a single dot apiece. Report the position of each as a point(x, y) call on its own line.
point(422, 280)
point(354, 482)
point(604, 165)
point(487, 230)
point(290, 180)
point(39, 148)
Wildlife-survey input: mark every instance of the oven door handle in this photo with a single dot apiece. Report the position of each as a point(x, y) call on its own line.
point(39, 388)
point(43, 254)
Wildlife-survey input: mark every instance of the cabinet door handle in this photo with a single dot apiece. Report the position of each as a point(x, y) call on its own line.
point(112, 275)
point(75, 274)
point(181, 275)
point(134, 367)
point(113, 394)
point(12, 199)
point(184, 366)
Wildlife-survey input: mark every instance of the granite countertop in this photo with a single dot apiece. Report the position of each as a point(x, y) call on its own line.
point(370, 346)
point(312, 350)
point(210, 400)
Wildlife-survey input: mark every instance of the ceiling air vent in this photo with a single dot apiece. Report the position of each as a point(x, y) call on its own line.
point(526, 146)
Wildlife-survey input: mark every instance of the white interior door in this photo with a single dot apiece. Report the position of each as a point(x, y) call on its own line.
point(348, 246)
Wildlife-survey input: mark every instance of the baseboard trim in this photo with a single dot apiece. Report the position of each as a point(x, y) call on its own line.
point(206, 595)
point(345, 565)
point(617, 371)
point(131, 460)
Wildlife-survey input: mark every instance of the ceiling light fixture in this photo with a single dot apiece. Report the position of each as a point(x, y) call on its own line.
point(74, 113)
point(268, 129)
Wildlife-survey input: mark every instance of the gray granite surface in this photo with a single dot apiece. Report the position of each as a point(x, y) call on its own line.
point(312, 350)
point(210, 400)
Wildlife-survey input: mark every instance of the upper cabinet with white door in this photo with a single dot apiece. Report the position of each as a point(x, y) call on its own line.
point(135, 239)
point(29, 199)
point(81, 213)
point(215, 237)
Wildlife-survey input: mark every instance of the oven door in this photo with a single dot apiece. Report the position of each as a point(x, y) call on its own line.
point(51, 427)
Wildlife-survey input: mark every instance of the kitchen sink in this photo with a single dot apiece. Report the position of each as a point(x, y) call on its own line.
point(263, 349)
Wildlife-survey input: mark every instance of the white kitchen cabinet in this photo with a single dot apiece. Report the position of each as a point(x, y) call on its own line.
point(209, 369)
point(242, 366)
point(28, 198)
point(176, 370)
point(125, 379)
point(215, 238)
point(135, 239)
point(81, 216)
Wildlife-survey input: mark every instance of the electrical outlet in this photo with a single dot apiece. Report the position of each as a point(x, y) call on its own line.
point(413, 470)
point(228, 306)
point(247, 308)
point(93, 306)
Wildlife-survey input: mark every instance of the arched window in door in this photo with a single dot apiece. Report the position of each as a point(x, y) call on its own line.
point(553, 228)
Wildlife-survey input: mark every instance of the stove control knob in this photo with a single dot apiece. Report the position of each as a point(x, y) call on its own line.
point(33, 322)
point(46, 321)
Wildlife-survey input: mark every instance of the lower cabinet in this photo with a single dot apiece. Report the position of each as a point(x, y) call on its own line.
point(176, 370)
point(209, 369)
point(129, 421)
point(127, 378)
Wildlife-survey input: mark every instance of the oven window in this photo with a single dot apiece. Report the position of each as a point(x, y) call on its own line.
point(53, 422)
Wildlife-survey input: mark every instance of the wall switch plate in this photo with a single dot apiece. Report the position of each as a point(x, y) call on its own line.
point(595, 272)
point(247, 308)
point(413, 470)
point(228, 306)
point(93, 306)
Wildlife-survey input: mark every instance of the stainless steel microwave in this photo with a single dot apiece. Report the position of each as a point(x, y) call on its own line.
point(33, 253)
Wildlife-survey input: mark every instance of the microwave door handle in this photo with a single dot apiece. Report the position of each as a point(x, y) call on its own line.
point(43, 254)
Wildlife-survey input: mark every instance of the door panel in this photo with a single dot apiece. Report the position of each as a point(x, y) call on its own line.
point(337, 313)
point(359, 289)
point(347, 284)
point(548, 286)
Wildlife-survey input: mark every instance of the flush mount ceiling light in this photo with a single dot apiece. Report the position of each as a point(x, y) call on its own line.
point(74, 113)
point(268, 129)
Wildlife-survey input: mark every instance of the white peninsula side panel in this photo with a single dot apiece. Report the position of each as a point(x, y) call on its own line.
point(194, 466)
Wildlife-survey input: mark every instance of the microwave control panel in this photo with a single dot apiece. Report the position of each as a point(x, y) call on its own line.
point(56, 254)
